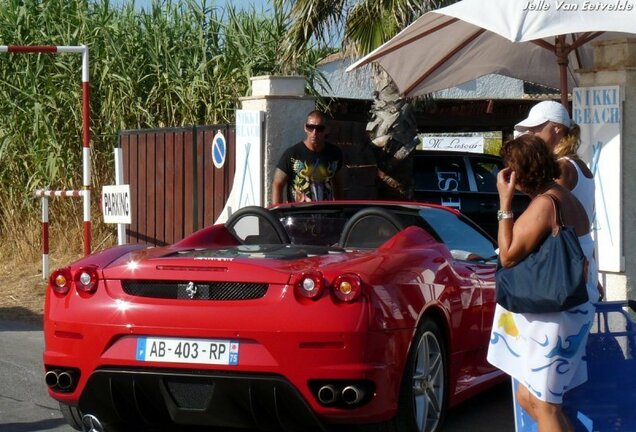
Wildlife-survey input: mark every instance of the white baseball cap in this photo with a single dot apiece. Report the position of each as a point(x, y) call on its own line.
point(544, 112)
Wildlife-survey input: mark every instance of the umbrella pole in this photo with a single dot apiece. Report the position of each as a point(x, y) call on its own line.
point(562, 51)
point(564, 86)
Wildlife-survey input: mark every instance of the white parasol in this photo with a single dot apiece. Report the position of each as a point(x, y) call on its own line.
point(517, 38)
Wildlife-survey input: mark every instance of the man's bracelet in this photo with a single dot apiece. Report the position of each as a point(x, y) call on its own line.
point(504, 214)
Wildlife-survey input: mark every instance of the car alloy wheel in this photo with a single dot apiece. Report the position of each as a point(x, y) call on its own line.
point(422, 403)
point(428, 382)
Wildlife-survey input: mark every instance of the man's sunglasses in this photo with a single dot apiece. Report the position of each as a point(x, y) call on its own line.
point(315, 127)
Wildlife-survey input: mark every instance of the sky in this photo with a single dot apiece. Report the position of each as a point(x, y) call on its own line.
point(238, 4)
point(246, 4)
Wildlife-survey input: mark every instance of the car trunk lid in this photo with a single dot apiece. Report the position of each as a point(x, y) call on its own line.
point(245, 263)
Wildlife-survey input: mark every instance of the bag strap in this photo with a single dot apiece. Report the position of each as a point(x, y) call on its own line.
point(557, 221)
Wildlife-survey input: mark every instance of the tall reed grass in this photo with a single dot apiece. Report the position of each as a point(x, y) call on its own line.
point(180, 62)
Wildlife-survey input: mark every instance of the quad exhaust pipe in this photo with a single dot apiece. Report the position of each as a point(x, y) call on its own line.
point(330, 394)
point(60, 380)
point(327, 394)
point(65, 380)
point(51, 378)
point(352, 394)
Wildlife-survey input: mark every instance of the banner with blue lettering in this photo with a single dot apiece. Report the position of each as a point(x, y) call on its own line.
point(597, 110)
point(246, 189)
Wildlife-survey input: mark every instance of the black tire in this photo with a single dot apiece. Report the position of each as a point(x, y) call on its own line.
point(422, 404)
point(72, 416)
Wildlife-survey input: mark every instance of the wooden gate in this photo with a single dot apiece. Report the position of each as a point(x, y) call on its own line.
point(176, 189)
point(174, 186)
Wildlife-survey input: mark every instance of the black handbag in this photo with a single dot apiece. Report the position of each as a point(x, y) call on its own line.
point(551, 279)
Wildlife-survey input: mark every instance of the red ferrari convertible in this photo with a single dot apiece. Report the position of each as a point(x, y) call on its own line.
point(299, 317)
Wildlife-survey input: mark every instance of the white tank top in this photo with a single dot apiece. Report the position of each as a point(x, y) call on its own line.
point(584, 191)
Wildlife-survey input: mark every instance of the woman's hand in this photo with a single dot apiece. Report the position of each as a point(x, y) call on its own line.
point(506, 183)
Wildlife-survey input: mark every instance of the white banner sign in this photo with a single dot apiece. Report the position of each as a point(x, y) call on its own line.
point(473, 144)
point(597, 110)
point(246, 189)
point(116, 204)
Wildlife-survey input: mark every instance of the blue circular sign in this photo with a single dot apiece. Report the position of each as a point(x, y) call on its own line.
point(219, 150)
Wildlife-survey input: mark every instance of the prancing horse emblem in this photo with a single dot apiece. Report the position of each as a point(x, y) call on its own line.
point(191, 290)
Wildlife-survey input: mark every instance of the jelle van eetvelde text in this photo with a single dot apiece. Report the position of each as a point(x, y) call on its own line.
point(583, 5)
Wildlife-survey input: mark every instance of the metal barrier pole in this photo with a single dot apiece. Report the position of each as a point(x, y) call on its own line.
point(86, 150)
point(119, 180)
point(45, 194)
point(45, 237)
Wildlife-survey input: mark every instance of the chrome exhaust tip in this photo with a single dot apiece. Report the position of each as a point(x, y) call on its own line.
point(51, 378)
point(327, 394)
point(352, 394)
point(65, 380)
point(90, 423)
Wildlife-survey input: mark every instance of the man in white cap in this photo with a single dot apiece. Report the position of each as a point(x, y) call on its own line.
point(551, 122)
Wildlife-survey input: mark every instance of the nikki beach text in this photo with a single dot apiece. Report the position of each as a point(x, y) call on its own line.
point(587, 5)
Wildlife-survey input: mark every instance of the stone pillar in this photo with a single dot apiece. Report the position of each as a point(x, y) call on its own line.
point(286, 106)
point(615, 64)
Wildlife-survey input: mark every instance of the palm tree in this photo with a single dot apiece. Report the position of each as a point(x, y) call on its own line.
point(365, 25)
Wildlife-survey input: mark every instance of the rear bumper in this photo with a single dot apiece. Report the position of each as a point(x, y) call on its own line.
point(158, 398)
point(278, 357)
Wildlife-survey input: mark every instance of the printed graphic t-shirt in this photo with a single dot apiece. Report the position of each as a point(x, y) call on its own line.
point(310, 174)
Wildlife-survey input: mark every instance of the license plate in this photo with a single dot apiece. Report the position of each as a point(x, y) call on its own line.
point(178, 350)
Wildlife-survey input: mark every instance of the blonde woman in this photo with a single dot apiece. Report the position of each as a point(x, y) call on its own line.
point(551, 122)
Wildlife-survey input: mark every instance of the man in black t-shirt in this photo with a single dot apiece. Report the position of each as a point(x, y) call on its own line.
point(311, 169)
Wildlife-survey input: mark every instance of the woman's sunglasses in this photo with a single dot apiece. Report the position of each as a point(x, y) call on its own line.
point(315, 127)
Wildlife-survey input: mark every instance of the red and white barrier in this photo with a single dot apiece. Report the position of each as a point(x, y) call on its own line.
point(45, 195)
point(86, 150)
point(40, 193)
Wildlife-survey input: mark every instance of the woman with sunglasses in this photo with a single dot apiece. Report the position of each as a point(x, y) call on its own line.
point(311, 169)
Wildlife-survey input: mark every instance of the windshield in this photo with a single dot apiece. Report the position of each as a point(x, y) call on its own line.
point(458, 235)
point(324, 227)
point(315, 228)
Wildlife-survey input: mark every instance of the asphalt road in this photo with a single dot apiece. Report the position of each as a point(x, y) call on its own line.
point(26, 407)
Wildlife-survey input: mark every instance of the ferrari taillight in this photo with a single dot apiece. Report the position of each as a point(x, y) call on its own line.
point(60, 280)
point(310, 285)
point(347, 287)
point(86, 279)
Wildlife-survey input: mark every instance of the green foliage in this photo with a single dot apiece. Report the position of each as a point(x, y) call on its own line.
point(362, 25)
point(180, 62)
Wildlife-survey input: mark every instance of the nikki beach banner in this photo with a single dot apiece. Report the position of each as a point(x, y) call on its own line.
point(597, 110)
